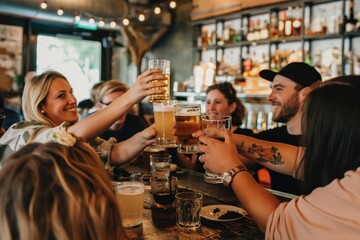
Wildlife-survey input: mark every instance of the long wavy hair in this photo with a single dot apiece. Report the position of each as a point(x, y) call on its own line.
point(331, 131)
point(35, 92)
point(50, 191)
point(229, 92)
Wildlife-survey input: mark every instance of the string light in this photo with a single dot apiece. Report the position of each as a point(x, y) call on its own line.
point(113, 24)
point(126, 22)
point(157, 10)
point(102, 21)
point(172, 4)
point(91, 20)
point(60, 11)
point(77, 18)
point(43, 5)
point(141, 17)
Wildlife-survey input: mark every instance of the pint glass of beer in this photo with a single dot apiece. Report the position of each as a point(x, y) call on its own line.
point(164, 65)
point(164, 123)
point(187, 118)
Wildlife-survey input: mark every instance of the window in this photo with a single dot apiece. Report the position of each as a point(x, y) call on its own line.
point(79, 60)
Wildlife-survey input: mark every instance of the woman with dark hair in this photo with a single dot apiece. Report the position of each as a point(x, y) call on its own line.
point(329, 164)
point(221, 99)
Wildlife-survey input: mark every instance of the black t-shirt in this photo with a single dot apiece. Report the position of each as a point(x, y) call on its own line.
point(133, 124)
point(281, 182)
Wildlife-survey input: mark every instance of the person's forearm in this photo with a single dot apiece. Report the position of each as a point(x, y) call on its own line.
point(126, 151)
point(279, 157)
point(258, 202)
point(96, 123)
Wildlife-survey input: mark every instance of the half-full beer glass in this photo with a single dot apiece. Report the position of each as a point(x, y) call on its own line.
point(164, 65)
point(187, 118)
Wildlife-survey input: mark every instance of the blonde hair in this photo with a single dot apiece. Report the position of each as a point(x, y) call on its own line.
point(35, 92)
point(110, 87)
point(50, 191)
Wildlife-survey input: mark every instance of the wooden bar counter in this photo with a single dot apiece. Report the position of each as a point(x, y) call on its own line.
point(244, 228)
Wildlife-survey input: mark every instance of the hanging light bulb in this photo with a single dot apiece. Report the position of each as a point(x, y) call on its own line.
point(101, 23)
point(91, 20)
point(60, 11)
point(141, 17)
point(157, 10)
point(43, 5)
point(172, 4)
point(77, 18)
point(113, 24)
point(125, 22)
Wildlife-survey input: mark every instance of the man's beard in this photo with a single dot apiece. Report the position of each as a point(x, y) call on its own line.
point(288, 110)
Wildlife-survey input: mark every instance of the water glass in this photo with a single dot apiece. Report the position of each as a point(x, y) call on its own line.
point(214, 125)
point(130, 198)
point(187, 121)
point(147, 152)
point(164, 65)
point(160, 165)
point(188, 206)
point(164, 122)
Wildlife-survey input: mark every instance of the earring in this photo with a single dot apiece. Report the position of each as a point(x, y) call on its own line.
point(42, 111)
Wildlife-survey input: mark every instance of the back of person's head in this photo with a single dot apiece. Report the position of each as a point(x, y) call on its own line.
point(50, 191)
point(110, 87)
point(35, 92)
point(331, 131)
point(229, 92)
point(95, 90)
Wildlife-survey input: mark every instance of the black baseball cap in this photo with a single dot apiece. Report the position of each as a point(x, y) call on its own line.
point(298, 72)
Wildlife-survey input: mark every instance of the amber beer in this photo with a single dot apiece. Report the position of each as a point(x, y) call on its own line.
point(187, 118)
point(164, 65)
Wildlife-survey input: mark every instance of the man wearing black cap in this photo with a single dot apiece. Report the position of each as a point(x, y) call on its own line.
point(289, 88)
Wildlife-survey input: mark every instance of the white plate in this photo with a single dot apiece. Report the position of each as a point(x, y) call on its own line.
point(214, 212)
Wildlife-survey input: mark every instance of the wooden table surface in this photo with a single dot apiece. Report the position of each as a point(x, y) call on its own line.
point(244, 228)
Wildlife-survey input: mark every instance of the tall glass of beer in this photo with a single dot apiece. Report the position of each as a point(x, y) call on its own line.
point(187, 118)
point(164, 123)
point(164, 65)
point(214, 125)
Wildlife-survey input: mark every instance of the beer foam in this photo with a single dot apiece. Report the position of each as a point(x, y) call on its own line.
point(163, 108)
point(129, 190)
point(194, 113)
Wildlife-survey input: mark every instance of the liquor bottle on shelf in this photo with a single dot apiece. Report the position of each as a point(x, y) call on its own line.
point(250, 35)
point(282, 24)
point(226, 34)
point(351, 20)
point(205, 39)
point(274, 28)
point(288, 27)
point(297, 23)
point(264, 33)
point(257, 30)
point(213, 38)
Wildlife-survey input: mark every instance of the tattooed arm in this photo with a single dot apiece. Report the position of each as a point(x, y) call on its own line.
point(279, 157)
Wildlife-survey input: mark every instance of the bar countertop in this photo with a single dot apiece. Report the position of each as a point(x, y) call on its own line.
point(244, 228)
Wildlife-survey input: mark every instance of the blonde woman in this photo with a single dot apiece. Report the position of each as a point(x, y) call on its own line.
point(49, 106)
point(51, 191)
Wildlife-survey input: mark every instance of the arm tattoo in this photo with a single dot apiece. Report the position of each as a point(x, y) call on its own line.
point(266, 154)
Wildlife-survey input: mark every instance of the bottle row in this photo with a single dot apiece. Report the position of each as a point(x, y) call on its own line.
point(295, 21)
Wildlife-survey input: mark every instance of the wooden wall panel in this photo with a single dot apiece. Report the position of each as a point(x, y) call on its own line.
point(211, 8)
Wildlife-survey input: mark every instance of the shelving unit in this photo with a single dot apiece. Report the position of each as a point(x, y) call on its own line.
point(305, 45)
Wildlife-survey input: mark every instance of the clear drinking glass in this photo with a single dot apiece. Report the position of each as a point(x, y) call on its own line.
point(160, 165)
point(164, 115)
point(214, 126)
point(188, 207)
point(164, 65)
point(187, 121)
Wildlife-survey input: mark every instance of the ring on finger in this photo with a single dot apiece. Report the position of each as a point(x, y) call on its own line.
point(200, 158)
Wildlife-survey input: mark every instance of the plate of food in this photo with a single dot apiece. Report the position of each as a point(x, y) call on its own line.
point(222, 213)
